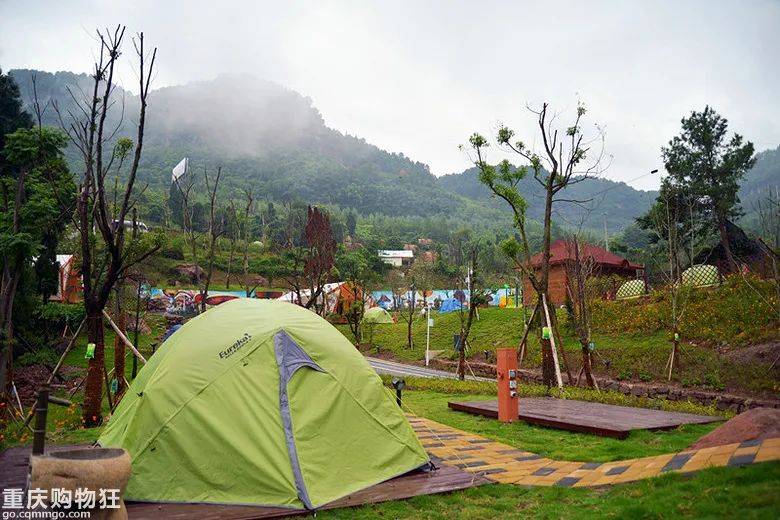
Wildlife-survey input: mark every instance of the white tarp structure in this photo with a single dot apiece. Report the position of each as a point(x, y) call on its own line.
point(179, 170)
point(330, 293)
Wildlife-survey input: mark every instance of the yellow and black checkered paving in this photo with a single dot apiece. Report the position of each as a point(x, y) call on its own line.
point(502, 463)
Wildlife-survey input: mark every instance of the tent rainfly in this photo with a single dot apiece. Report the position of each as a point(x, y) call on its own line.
point(701, 275)
point(260, 402)
point(631, 289)
point(377, 315)
point(450, 305)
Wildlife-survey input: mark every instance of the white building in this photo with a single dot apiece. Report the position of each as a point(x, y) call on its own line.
point(397, 258)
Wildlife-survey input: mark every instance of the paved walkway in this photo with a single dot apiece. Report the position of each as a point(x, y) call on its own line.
point(502, 463)
point(383, 366)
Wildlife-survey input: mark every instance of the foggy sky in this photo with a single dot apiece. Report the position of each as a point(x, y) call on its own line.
point(419, 77)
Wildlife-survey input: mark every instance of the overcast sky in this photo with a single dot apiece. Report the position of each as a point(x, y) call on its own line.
point(418, 77)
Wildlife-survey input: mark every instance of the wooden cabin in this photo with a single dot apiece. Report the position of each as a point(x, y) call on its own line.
point(562, 255)
point(69, 288)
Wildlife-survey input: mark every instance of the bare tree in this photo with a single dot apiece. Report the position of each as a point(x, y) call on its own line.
point(186, 188)
point(565, 158)
point(105, 257)
point(673, 222)
point(579, 270)
point(248, 283)
point(215, 230)
point(475, 299)
point(231, 230)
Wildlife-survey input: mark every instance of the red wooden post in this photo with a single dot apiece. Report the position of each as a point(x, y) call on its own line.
point(506, 373)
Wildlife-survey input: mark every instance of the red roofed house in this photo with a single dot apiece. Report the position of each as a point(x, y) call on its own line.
point(562, 253)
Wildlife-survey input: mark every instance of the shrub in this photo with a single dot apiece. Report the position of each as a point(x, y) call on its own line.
point(174, 248)
point(57, 315)
point(43, 356)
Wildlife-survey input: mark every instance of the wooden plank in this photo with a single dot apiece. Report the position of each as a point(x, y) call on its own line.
point(581, 416)
point(14, 464)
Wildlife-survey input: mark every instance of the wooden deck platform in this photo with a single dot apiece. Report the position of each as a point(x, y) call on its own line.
point(13, 474)
point(580, 416)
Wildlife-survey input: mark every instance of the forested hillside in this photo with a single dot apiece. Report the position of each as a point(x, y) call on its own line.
point(763, 178)
point(620, 202)
point(274, 140)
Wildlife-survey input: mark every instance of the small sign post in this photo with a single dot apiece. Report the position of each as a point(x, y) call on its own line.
point(506, 373)
point(428, 335)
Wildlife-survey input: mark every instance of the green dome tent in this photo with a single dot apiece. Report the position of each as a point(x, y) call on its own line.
point(260, 402)
point(701, 275)
point(631, 289)
point(377, 315)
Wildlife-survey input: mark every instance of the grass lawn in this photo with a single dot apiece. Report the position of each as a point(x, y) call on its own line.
point(750, 492)
point(637, 356)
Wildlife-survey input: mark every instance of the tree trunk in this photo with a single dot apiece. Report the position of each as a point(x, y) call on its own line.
point(230, 263)
point(559, 339)
point(11, 279)
point(119, 345)
point(93, 392)
point(586, 364)
point(548, 370)
point(409, 343)
point(724, 242)
point(464, 336)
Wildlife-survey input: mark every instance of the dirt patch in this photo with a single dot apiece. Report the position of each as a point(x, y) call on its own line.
point(760, 353)
point(755, 424)
point(28, 379)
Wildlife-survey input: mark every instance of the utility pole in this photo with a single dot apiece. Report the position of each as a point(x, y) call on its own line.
point(606, 233)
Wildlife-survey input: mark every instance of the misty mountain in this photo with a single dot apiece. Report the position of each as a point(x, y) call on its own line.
point(273, 139)
point(762, 179)
point(270, 138)
point(595, 197)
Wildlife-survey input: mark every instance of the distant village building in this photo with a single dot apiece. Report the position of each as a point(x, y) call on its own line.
point(351, 244)
point(410, 247)
point(562, 255)
point(429, 256)
point(424, 241)
point(397, 258)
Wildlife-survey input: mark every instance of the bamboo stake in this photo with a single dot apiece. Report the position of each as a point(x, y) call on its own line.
point(108, 390)
point(65, 352)
point(525, 337)
point(123, 337)
point(558, 377)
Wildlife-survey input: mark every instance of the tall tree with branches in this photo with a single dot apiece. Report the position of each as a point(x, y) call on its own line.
point(105, 256)
point(216, 227)
point(479, 295)
point(36, 191)
point(306, 269)
point(709, 165)
point(565, 158)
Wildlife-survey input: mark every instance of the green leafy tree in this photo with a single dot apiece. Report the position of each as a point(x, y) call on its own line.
point(37, 192)
point(708, 164)
point(360, 270)
point(352, 224)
